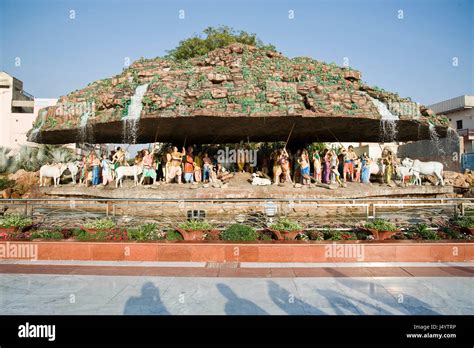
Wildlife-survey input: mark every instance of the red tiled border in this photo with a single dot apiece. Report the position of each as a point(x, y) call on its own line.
point(252, 252)
point(317, 272)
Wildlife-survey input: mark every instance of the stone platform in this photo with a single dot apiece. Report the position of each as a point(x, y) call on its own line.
point(240, 188)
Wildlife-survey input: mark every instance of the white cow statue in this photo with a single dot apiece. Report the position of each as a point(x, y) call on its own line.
point(124, 171)
point(376, 168)
point(425, 168)
point(256, 180)
point(74, 169)
point(52, 171)
point(403, 172)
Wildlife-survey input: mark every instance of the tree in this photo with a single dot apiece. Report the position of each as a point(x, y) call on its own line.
point(215, 38)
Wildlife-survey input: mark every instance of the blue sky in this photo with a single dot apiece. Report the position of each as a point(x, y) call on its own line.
point(412, 56)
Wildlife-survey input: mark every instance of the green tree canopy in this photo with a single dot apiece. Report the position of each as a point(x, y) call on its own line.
point(215, 38)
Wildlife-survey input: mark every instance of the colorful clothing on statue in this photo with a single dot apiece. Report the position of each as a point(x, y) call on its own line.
point(106, 172)
point(365, 174)
point(304, 171)
point(326, 171)
point(388, 174)
point(148, 170)
point(333, 169)
point(348, 166)
point(149, 173)
point(95, 175)
point(189, 169)
point(206, 171)
point(197, 168)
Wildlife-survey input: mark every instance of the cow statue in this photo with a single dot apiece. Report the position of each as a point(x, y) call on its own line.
point(256, 180)
point(377, 168)
point(403, 172)
point(124, 171)
point(52, 171)
point(74, 169)
point(425, 168)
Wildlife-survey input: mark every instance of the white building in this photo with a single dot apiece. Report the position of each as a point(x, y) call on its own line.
point(461, 115)
point(18, 110)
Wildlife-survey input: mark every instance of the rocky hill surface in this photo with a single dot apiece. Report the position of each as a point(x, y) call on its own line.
point(232, 93)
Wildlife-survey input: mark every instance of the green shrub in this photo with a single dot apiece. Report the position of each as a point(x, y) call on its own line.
point(238, 232)
point(83, 235)
point(173, 235)
point(47, 235)
point(5, 183)
point(302, 236)
point(339, 235)
point(115, 234)
point(463, 221)
point(196, 225)
point(15, 220)
point(451, 233)
point(423, 231)
point(315, 235)
point(285, 224)
point(147, 231)
point(381, 225)
point(100, 224)
point(264, 236)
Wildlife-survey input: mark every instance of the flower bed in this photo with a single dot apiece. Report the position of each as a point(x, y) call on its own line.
point(201, 231)
point(13, 225)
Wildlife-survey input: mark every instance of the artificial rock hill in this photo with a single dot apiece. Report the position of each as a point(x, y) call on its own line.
point(235, 93)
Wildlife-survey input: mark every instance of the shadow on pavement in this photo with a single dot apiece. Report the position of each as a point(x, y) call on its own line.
point(236, 305)
point(149, 302)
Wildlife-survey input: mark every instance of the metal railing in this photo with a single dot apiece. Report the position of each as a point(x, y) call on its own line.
point(112, 206)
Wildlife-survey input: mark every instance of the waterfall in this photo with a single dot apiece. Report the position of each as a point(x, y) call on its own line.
point(130, 122)
point(452, 135)
point(34, 135)
point(388, 121)
point(85, 130)
point(435, 140)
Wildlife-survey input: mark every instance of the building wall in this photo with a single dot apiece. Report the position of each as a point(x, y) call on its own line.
point(448, 151)
point(466, 115)
point(5, 108)
point(15, 125)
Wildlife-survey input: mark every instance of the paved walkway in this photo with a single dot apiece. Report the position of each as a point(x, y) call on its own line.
point(59, 288)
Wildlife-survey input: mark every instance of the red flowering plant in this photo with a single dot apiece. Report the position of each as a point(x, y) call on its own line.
point(212, 235)
point(116, 234)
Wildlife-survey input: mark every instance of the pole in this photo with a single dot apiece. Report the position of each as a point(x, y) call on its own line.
point(289, 135)
point(184, 144)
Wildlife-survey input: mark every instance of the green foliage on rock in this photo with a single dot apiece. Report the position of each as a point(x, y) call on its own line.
point(31, 158)
point(214, 38)
point(7, 161)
